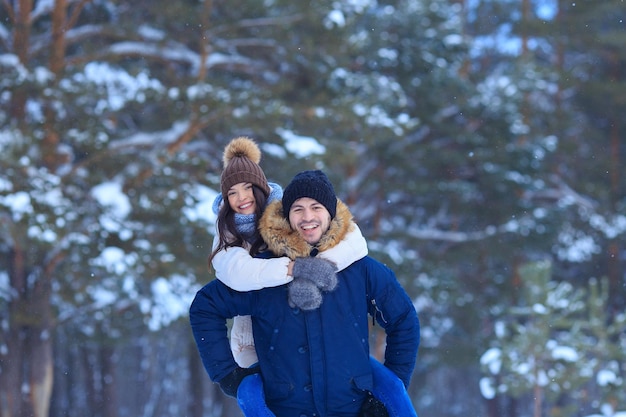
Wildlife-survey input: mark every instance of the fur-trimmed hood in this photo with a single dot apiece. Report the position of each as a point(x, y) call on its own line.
point(283, 241)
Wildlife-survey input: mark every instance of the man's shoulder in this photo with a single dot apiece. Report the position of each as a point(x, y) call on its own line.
point(370, 269)
point(368, 262)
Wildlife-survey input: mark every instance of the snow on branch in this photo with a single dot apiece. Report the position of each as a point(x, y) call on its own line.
point(454, 236)
point(149, 140)
point(180, 53)
point(562, 193)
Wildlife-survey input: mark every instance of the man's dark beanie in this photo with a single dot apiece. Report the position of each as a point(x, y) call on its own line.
point(312, 184)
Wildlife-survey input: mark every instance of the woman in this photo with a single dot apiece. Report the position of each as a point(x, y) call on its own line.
point(245, 192)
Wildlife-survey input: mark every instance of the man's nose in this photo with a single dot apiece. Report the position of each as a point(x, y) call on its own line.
point(307, 214)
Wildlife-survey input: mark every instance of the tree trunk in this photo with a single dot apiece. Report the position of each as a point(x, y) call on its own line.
point(40, 349)
point(195, 407)
point(492, 407)
point(109, 405)
point(12, 358)
point(21, 45)
point(538, 400)
point(28, 357)
point(41, 372)
point(91, 392)
point(614, 269)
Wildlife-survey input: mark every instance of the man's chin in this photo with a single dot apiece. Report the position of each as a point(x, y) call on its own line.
point(310, 238)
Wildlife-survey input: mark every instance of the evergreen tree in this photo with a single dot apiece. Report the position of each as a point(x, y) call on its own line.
point(468, 138)
point(554, 343)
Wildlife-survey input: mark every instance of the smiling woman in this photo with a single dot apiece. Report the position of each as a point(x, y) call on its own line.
point(241, 198)
point(246, 191)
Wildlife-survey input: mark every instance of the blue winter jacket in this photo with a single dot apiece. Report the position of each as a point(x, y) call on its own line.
point(313, 363)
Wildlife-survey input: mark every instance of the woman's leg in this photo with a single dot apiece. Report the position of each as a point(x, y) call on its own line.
point(251, 398)
point(389, 389)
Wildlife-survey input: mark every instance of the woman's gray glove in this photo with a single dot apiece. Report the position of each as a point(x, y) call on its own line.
point(304, 294)
point(317, 270)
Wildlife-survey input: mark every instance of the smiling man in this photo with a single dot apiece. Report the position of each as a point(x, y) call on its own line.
point(310, 218)
point(309, 202)
point(313, 361)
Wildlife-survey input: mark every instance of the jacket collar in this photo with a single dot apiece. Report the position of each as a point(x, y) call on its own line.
point(283, 241)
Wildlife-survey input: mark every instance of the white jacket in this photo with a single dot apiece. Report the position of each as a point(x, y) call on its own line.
point(241, 272)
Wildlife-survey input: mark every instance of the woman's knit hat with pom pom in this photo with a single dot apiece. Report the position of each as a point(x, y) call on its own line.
point(241, 164)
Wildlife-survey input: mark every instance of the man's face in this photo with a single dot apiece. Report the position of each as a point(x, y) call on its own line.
point(309, 218)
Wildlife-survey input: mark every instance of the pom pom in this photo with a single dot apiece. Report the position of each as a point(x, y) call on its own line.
point(242, 147)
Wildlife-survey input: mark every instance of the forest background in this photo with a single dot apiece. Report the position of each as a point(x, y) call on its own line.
point(479, 144)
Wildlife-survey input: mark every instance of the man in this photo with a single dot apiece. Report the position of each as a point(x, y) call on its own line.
point(313, 358)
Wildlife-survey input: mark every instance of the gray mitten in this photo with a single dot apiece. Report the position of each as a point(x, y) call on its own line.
point(317, 270)
point(304, 294)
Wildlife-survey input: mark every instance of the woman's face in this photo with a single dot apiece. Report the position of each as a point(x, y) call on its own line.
point(241, 198)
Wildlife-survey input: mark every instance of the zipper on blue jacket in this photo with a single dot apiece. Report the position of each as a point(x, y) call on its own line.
point(382, 317)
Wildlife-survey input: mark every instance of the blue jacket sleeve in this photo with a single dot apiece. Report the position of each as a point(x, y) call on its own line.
point(211, 307)
point(394, 311)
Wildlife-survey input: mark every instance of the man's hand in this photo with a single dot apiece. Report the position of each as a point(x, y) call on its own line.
point(304, 294)
point(230, 382)
point(317, 270)
point(373, 407)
